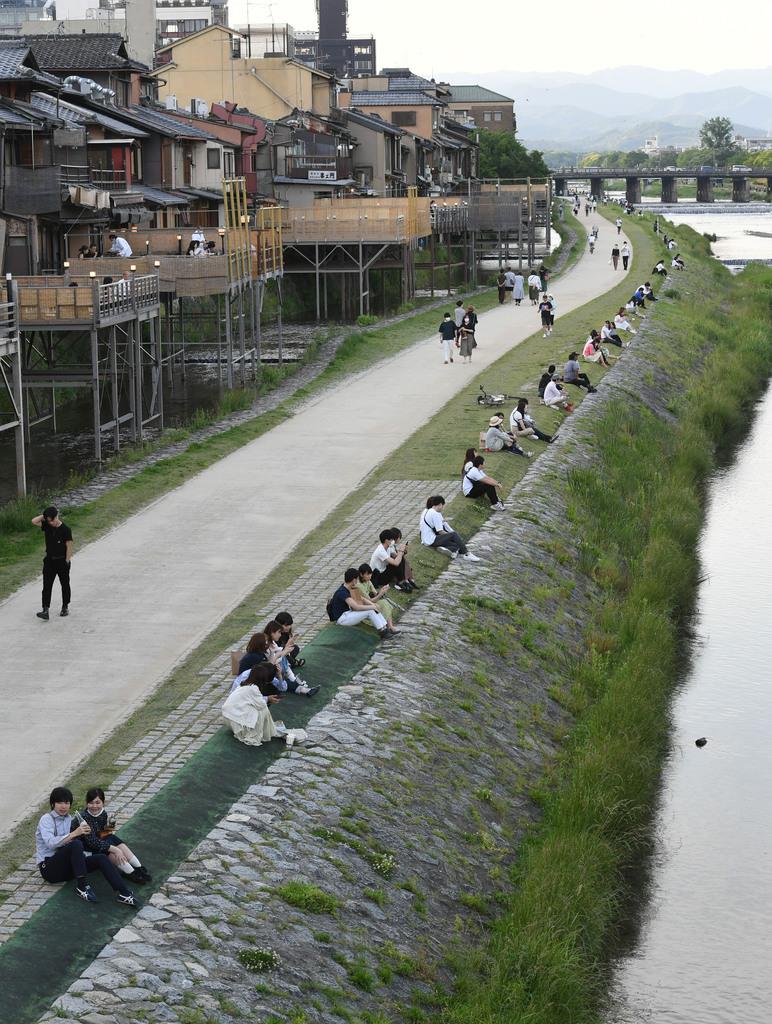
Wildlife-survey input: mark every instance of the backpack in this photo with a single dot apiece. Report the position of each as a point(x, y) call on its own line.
point(328, 608)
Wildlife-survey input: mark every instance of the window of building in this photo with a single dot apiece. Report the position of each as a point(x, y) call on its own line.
point(213, 159)
point(403, 118)
point(363, 65)
point(497, 115)
point(236, 47)
point(229, 170)
point(170, 26)
point(487, 115)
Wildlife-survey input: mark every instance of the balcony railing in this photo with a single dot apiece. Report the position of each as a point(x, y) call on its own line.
point(98, 177)
point(126, 296)
point(318, 168)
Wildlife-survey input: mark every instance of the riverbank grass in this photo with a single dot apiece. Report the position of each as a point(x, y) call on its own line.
point(546, 960)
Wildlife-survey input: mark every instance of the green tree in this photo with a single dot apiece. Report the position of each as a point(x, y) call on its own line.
point(717, 137)
point(636, 158)
point(502, 156)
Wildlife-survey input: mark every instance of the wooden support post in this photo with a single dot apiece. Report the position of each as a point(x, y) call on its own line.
point(228, 340)
point(450, 275)
point(242, 347)
point(253, 327)
point(324, 297)
point(169, 342)
point(279, 322)
point(316, 276)
point(158, 377)
point(136, 339)
point(431, 268)
point(18, 397)
point(114, 392)
point(361, 282)
point(259, 322)
point(95, 394)
point(219, 340)
point(182, 341)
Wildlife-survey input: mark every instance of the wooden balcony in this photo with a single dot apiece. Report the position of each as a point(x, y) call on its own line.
point(400, 220)
point(77, 300)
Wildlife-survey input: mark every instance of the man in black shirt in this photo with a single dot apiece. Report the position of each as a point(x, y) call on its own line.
point(58, 557)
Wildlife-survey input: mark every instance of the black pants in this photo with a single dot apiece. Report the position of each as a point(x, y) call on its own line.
point(614, 339)
point(70, 861)
point(51, 569)
point(582, 381)
point(487, 489)
point(540, 433)
point(391, 574)
point(451, 541)
point(625, 261)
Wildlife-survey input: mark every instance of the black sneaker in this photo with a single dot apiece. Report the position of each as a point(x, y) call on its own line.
point(43, 615)
point(143, 875)
point(65, 611)
point(388, 634)
point(127, 899)
point(413, 585)
point(86, 893)
point(312, 691)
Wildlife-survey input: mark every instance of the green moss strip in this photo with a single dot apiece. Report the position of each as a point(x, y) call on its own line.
point(639, 512)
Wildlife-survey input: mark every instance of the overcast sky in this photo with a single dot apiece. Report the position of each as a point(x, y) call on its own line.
point(438, 36)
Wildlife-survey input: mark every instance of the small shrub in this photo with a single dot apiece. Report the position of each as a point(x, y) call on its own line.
point(308, 897)
point(365, 320)
point(671, 293)
point(377, 896)
point(259, 958)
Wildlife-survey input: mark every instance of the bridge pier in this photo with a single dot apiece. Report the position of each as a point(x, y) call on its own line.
point(596, 188)
point(704, 189)
point(669, 190)
point(741, 190)
point(561, 184)
point(633, 190)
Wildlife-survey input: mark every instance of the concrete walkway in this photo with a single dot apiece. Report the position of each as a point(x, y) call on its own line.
point(148, 592)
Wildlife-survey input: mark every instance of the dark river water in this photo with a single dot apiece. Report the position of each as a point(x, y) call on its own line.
point(703, 951)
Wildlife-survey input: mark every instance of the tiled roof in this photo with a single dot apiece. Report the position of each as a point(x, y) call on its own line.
point(409, 82)
point(10, 113)
point(392, 99)
point(374, 121)
point(12, 54)
point(81, 51)
point(71, 113)
point(476, 94)
point(155, 120)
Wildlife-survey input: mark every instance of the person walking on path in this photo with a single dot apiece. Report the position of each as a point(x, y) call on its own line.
point(509, 283)
point(468, 342)
point(615, 255)
point(625, 255)
point(501, 282)
point(458, 316)
point(619, 225)
point(545, 312)
point(58, 558)
point(534, 287)
point(447, 331)
point(518, 293)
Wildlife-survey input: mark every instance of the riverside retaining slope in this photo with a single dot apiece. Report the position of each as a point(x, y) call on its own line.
point(362, 859)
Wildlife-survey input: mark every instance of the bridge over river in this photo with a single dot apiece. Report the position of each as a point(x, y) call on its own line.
point(706, 178)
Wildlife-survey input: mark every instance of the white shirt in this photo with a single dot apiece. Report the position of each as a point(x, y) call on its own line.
point(619, 222)
point(432, 523)
point(552, 393)
point(121, 247)
point(605, 333)
point(198, 235)
point(509, 279)
point(379, 559)
point(534, 281)
point(621, 322)
point(471, 476)
point(517, 421)
point(625, 249)
point(458, 315)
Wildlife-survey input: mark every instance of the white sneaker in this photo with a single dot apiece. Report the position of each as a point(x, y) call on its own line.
point(470, 557)
point(302, 687)
point(281, 728)
point(498, 507)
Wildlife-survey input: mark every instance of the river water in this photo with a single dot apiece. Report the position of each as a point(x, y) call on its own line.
point(701, 949)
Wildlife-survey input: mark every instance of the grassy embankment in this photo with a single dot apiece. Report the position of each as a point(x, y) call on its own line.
point(639, 513)
point(427, 455)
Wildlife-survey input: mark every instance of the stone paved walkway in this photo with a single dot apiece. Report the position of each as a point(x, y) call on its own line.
point(152, 762)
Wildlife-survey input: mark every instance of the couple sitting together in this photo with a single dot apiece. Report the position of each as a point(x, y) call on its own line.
point(72, 846)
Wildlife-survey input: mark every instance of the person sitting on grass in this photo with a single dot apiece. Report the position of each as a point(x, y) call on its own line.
point(648, 292)
point(102, 838)
point(259, 652)
point(378, 595)
point(638, 298)
point(498, 440)
point(545, 378)
point(348, 607)
point(60, 854)
point(660, 268)
point(622, 323)
point(285, 677)
point(608, 333)
point(396, 539)
point(522, 425)
point(436, 531)
point(286, 622)
point(572, 374)
point(388, 563)
point(246, 707)
point(555, 397)
point(593, 352)
point(475, 483)
point(677, 263)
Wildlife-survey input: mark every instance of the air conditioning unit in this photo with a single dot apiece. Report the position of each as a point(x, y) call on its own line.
point(199, 107)
point(170, 102)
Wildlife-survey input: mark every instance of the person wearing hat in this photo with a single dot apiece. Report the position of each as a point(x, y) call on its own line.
point(58, 558)
point(498, 440)
point(447, 331)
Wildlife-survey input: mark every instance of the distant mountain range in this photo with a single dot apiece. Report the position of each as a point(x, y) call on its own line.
point(621, 107)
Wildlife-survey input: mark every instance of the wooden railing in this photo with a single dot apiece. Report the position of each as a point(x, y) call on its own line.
point(127, 296)
point(402, 219)
point(75, 298)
